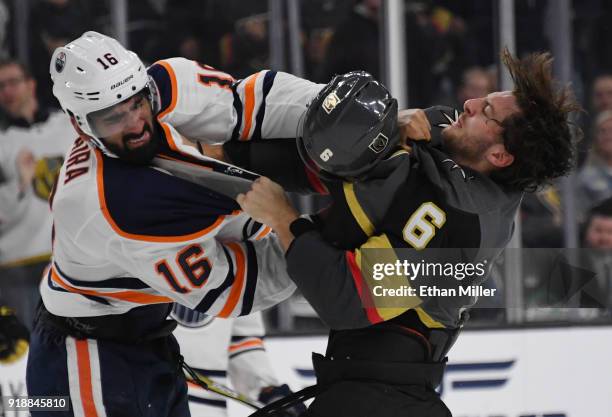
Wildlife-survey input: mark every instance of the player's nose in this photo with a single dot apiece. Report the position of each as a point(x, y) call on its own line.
point(469, 107)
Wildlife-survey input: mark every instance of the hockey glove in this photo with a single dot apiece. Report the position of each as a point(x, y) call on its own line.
point(270, 394)
point(14, 336)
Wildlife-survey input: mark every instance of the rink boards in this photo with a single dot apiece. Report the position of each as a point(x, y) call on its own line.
point(552, 372)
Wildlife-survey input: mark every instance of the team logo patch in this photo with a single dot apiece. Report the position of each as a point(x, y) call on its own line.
point(379, 143)
point(190, 318)
point(60, 62)
point(330, 102)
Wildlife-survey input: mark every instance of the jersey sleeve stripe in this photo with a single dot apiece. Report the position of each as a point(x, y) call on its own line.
point(249, 98)
point(238, 108)
point(367, 302)
point(130, 296)
point(147, 238)
point(212, 295)
point(168, 136)
point(356, 209)
point(268, 81)
point(240, 352)
point(165, 78)
point(246, 344)
point(236, 288)
point(251, 280)
point(263, 233)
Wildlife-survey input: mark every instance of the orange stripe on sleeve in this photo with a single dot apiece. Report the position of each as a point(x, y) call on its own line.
point(236, 289)
point(246, 344)
point(249, 95)
point(263, 233)
point(85, 385)
point(170, 108)
point(173, 84)
point(131, 296)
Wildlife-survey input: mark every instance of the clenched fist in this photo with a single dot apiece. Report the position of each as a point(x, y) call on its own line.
point(413, 125)
point(267, 203)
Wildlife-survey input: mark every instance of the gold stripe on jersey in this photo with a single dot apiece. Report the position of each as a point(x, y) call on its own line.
point(386, 307)
point(358, 213)
point(387, 310)
point(427, 320)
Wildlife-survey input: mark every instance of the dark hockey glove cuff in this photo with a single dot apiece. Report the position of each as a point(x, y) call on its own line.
point(270, 394)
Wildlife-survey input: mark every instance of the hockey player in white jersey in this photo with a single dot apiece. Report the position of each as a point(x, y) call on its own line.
point(130, 239)
point(227, 350)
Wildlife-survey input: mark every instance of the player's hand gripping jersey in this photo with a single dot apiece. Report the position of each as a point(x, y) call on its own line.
point(127, 236)
point(454, 208)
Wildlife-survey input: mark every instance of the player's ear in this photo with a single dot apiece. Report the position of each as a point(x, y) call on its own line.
point(498, 156)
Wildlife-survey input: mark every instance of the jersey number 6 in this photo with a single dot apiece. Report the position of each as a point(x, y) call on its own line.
point(421, 226)
point(195, 267)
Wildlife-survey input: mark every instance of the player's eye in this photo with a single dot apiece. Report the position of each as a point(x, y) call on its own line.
point(117, 118)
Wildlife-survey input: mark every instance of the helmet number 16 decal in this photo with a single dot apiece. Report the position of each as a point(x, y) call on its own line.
point(108, 58)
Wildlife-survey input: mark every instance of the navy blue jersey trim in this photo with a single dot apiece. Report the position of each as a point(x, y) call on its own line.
point(146, 203)
point(267, 86)
point(238, 107)
point(211, 373)
point(233, 355)
point(251, 281)
point(236, 339)
point(164, 85)
point(121, 283)
point(245, 229)
point(97, 299)
point(212, 403)
point(212, 295)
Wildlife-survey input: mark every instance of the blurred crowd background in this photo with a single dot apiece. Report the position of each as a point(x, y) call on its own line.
point(451, 56)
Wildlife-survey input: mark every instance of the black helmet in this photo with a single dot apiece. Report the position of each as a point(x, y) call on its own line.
point(349, 127)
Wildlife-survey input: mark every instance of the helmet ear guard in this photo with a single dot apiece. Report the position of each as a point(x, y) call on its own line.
point(349, 127)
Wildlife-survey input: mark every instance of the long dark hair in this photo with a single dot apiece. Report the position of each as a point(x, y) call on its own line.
point(540, 136)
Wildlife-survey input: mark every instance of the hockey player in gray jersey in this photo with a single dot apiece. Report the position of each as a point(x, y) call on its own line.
point(384, 358)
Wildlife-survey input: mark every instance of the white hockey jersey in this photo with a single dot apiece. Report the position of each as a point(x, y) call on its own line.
point(225, 350)
point(25, 218)
point(128, 235)
point(209, 105)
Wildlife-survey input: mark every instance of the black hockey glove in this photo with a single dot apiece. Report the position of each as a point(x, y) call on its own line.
point(14, 336)
point(270, 394)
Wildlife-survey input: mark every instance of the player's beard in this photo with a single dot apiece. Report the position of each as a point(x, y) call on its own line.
point(141, 155)
point(461, 149)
